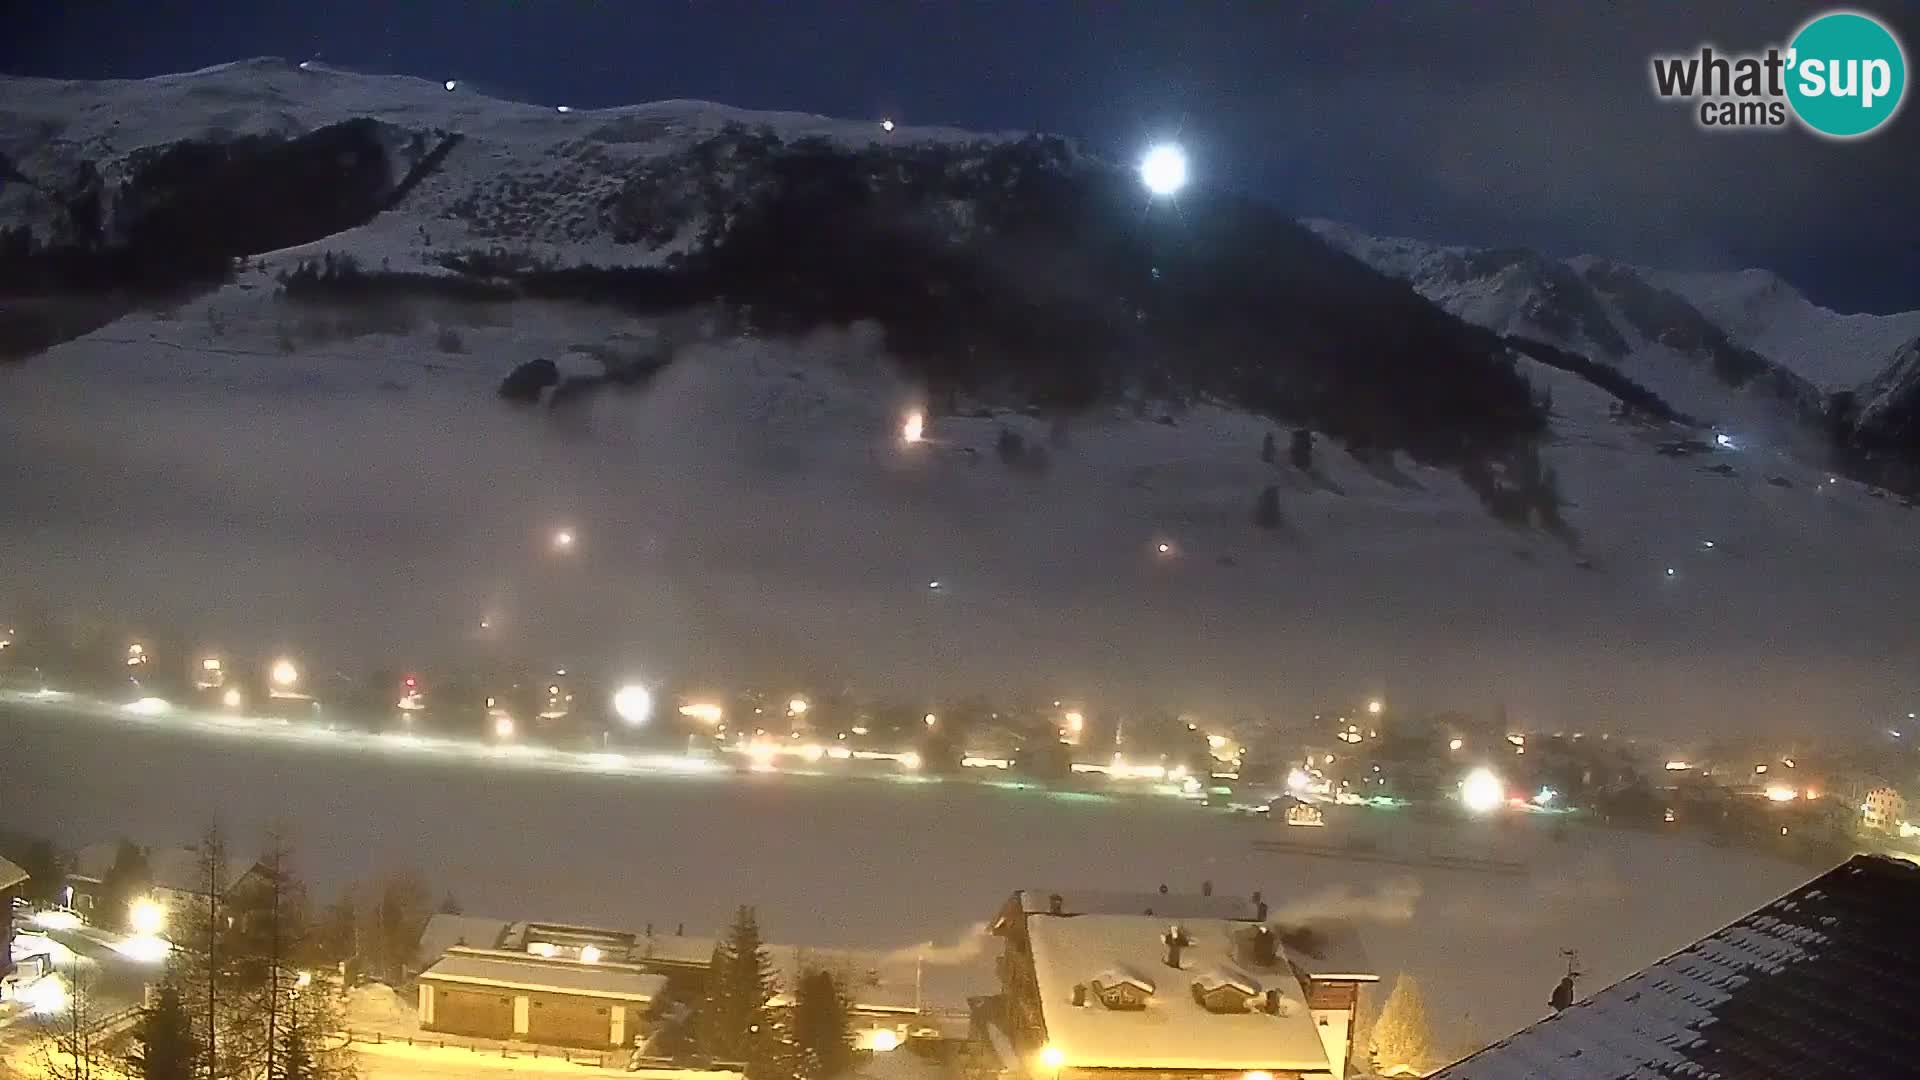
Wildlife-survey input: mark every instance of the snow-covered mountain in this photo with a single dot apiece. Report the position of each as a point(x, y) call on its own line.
point(1742, 350)
point(337, 464)
point(1760, 310)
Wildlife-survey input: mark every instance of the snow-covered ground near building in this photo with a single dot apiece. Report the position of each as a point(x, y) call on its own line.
point(878, 864)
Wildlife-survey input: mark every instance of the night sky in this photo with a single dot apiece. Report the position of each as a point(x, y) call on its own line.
point(1492, 123)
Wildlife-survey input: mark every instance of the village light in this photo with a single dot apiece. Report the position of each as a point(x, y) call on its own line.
point(231, 699)
point(1257, 1074)
point(146, 916)
point(798, 705)
point(1374, 706)
point(910, 759)
point(932, 719)
point(883, 1040)
point(1052, 1057)
point(589, 954)
point(284, 673)
point(1455, 744)
point(1482, 792)
point(915, 428)
point(885, 125)
point(633, 704)
point(706, 712)
point(563, 540)
point(1781, 793)
point(503, 726)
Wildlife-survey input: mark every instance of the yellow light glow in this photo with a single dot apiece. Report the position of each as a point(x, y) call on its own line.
point(1375, 706)
point(813, 752)
point(1759, 770)
point(284, 672)
point(882, 1040)
point(1679, 766)
point(910, 759)
point(1216, 742)
point(1075, 721)
point(305, 979)
point(1052, 1057)
point(1455, 744)
point(503, 726)
point(932, 719)
point(231, 699)
point(705, 712)
point(589, 954)
point(1257, 1074)
point(146, 916)
point(136, 649)
point(563, 540)
point(1782, 793)
point(798, 705)
point(211, 663)
point(1482, 792)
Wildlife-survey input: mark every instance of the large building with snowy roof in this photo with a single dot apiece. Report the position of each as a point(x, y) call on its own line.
point(1816, 984)
point(1116, 986)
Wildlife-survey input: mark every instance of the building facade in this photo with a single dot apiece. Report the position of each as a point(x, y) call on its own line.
point(557, 1001)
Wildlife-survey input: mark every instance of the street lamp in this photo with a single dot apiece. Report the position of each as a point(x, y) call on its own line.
point(915, 428)
point(285, 674)
point(633, 704)
point(1482, 792)
point(1375, 706)
point(798, 705)
point(146, 917)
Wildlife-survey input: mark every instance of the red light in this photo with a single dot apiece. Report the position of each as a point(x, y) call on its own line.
point(412, 682)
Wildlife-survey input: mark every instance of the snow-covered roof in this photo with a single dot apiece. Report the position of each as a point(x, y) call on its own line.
point(10, 875)
point(518, 971)
point(1818, 983)
point(443, 932)
point(1174, 1031)
point(1167, 905)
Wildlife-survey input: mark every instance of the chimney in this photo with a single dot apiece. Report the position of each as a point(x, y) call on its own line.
point(680, 930)
point(1079, 994)
point(1260, 910)
point(1206, 888)
point(1056, 905)
point(1264, 952)
point(1257, 897)
point(1175, 940)
point(1273, 1003)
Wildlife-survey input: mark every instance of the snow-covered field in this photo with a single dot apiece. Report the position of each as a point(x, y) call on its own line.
point(873, 864)
point(270, 475)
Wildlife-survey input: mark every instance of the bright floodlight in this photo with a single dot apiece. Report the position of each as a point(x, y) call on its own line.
point(451, 85)
point(915, 427)
point(589, 954)
point(231, 699)
point(45, 996)
point(1375, 706)
point(503, 726)
point(886, 125)
point(150, 706)
point(884, 1039)
point(563, 540)
point(1164, 169)
point(633, 704)
point(146, 916)
point(704, 711)
point(798, 706)
point(285, 673)
point(1482, 791)
point(1052, 1057)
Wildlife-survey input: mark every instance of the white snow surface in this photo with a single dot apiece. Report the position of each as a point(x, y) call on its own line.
point(1753, 308)
point(1174, 1031)
point(545, 171)
point(359, 493)
point(1761, 310)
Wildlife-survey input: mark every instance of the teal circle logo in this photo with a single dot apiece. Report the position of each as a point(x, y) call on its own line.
point(1846, 74)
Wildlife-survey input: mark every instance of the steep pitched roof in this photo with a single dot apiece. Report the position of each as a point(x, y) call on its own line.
point(10, 875)
point(1819, 983)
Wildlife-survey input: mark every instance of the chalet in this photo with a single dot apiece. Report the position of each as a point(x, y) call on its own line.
point(1117, 986)
point(882, 989)
point(1816, 984)
point(508, 994)
point(176, 879)
point(11, 878)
